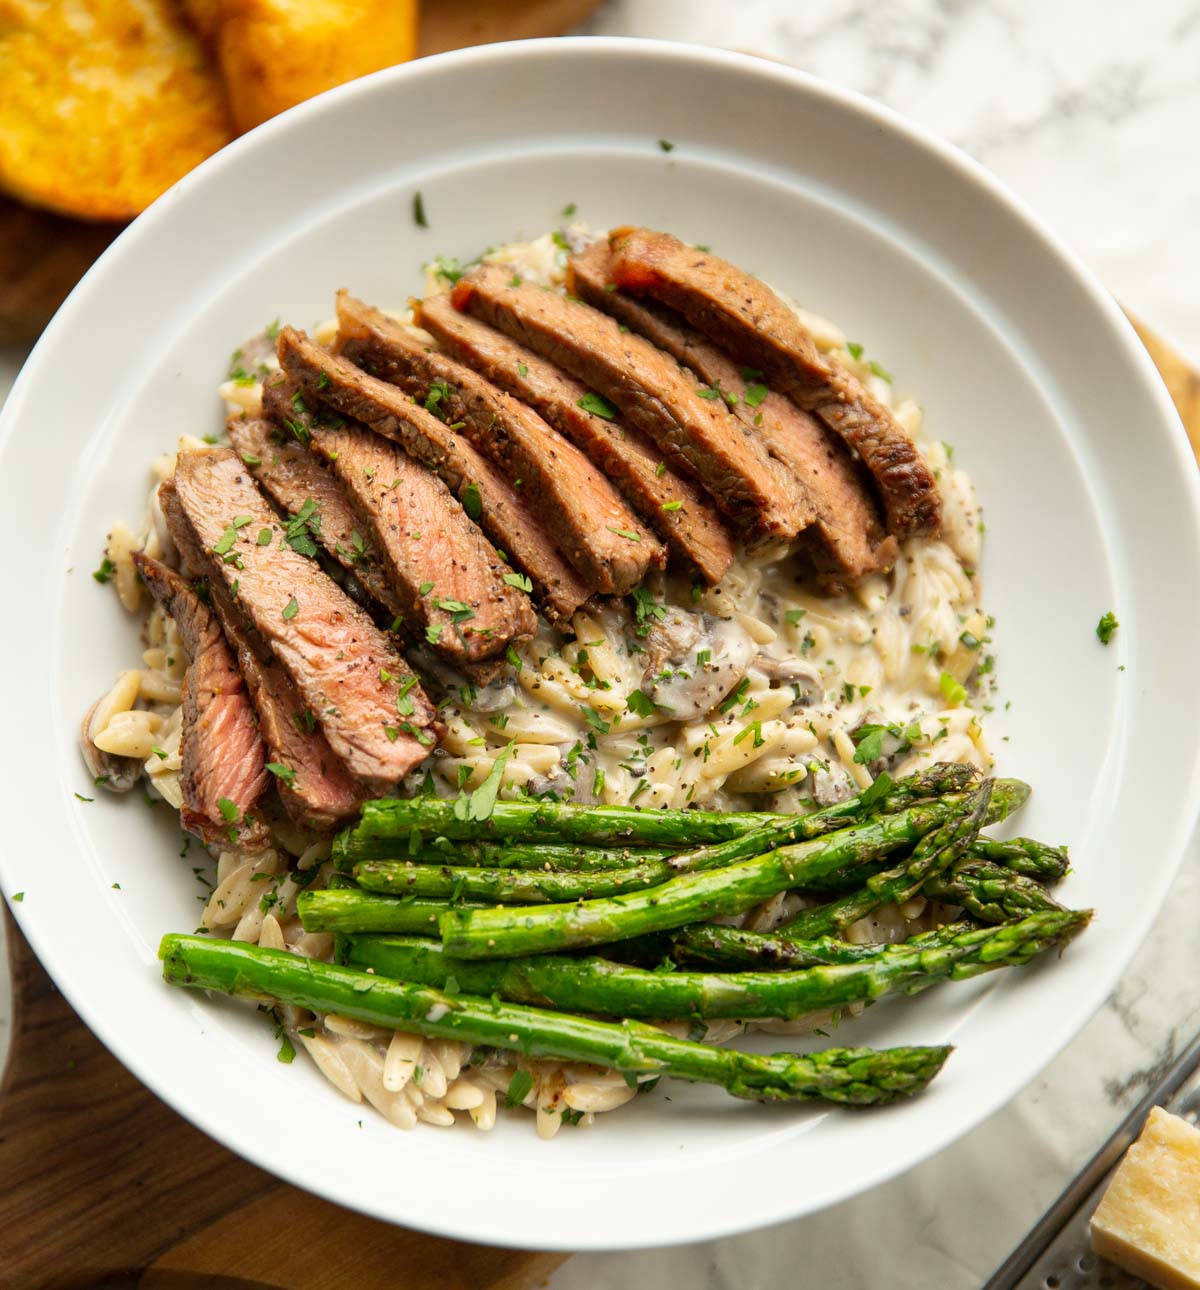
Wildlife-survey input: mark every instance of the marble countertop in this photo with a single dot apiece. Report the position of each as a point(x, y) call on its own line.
point(1091, 113)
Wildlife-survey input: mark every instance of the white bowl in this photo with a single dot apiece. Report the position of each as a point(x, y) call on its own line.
point(1021, 361)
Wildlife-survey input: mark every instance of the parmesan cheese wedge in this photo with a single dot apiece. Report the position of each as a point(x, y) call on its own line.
point(1149, 1219)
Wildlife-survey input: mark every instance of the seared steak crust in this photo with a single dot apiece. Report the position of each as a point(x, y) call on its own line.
point(692, 427)
point(353, 682)
point(847, 535)
point(591, 524)
point(224, 762)
point(689, 522)
point(292, 475)
point(448, 579)
point(331, 381)
point(750, 321)
point(315, 788)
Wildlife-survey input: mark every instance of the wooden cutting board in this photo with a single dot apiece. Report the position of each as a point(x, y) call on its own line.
point(42, 256)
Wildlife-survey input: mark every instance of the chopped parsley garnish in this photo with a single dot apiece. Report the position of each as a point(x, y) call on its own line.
point(755, 729)
point(291, 609)
point(299, 431)
point(323, 381)
point(458, 611)
point(970, 640)
point(519, 1088)
point(433, 633)
point(302, 528)
point(472, 502)
point(660, 470)
point(735, 696)
point(106, 570)
point(482, 802)
point(81, 797)
point(17, 897)
point(514, 658)
point(419, 211)
point(272, 329)
point(876, 790)
point(438, 391)
point(641, 703)
point(672, 506)
point(754, 394)
point(447, 267)
point(598, 406)
point(953, 690)
point(854, 349)
point(1106, 627)
point(280, 771)
point(304, 721)
point(568, 210)
point(228, 809)
point(287, 1052)
point(518, 580)
point(666, 145)
point(160, 753)
point(264, 537)
point(522, 369)
point(880, 371)
point(560, 241)
point(869, 741)
point(794, 616)
point(595, 720)
point(425, 588)
point(646, 610)
point(625, 533)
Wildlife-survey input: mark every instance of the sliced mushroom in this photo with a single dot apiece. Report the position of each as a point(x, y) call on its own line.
point(790, 671)
point(692, 679)
point(831, 786)
point(116, 774)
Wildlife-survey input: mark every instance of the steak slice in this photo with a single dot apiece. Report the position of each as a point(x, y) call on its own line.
point(749, 320)
point(690, 525)
point(593, 527)
point(224, 762)
point(848, 527)
point(447, 577)
point(315, 788)
point(697, 433)
point(334, 382)
point(353, 682)
point(291, 475)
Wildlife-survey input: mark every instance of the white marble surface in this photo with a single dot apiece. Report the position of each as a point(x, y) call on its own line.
point(1091, 113)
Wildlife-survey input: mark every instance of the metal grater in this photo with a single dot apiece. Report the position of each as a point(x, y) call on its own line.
point(1057, 1254)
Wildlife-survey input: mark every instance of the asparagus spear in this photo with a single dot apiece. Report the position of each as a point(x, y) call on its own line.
point(565, 857)
point(715, 945)
point(854, 1076)
point(935, 853)
point(394, 827)
point(520, 886)
point(598, 985)
point(699, 897)
point(351, 910)
point(989, 893)
point(1025, 856)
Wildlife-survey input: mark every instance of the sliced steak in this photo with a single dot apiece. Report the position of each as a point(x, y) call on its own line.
point(850, 540)
point(449, 580)
point(334, 382)
point(690, 523)
point(753, 324)
point(695, 432)
point(292, 476)
point(314, 786)
point(593, 527)
point(224, 762)
point(353, 682)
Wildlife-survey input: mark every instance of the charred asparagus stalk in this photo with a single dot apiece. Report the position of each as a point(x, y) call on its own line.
point(394, 828)
point(934, 854)
point(597, 985)
point(699, 897)
point(853, 1076)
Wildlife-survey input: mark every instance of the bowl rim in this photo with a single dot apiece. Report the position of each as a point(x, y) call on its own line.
point(620, 49)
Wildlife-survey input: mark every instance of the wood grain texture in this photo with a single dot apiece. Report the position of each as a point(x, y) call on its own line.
point(42, 255)
point(106, 1185)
